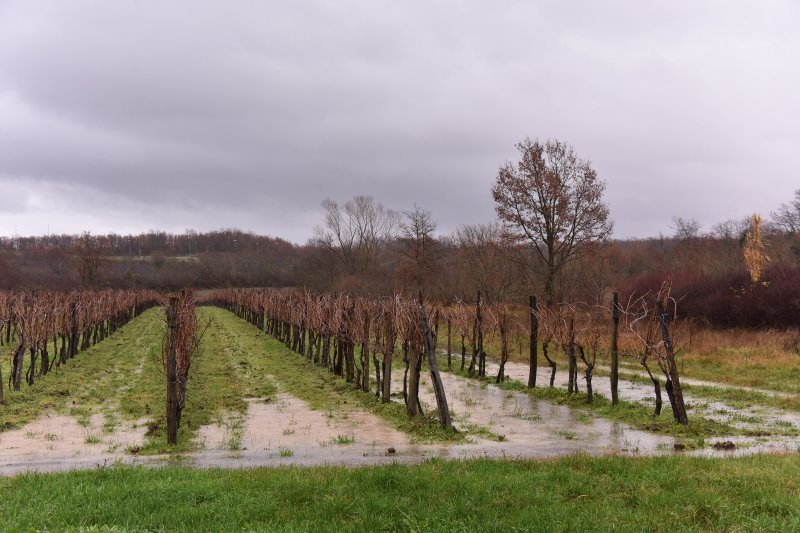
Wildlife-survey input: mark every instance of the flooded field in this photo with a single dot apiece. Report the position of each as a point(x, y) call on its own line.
point(285, 430)
point(753, 418)
point(282, 428)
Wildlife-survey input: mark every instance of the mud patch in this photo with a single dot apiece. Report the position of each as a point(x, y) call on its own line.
point(288, 430)
point(57, 442)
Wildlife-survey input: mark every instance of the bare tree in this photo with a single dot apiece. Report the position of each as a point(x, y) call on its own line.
point(553, 201)
point(357, 232)
point(787, 218)
point(419, 246)
point(483, 261)
point(686, 229)
point(651, 325)
point(89, 252)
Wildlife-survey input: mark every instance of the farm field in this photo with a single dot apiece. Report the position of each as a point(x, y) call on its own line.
point(251, 401)
point(281, 442)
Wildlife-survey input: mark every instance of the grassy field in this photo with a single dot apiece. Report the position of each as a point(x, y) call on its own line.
point(572, 494)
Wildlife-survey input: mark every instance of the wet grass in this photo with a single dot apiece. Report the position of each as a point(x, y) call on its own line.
point(759, 493)
point(750, 359)
point(322, 390)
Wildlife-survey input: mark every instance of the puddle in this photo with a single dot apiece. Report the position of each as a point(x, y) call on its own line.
point(287, 430)
point(532, 428)
point(61, 442)
point(754, 418)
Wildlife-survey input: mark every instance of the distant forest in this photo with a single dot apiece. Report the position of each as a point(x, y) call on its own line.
point(402, 254)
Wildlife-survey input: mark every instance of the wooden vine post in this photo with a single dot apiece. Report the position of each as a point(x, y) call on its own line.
point(533, 343)
point(438, 387)
point(479, 324)
point(172, 371)
point(615, 312)
point(673, 384)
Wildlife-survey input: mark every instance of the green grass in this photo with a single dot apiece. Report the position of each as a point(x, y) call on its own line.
point(314, 384)
point(759, 493)
point(765, 368)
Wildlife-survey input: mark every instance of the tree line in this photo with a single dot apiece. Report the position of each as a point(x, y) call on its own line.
point(552, 237)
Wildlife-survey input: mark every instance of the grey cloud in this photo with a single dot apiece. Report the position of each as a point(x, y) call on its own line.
point(209, 114)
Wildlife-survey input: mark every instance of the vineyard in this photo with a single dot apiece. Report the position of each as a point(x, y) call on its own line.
point(253, 370)
point(72, 321)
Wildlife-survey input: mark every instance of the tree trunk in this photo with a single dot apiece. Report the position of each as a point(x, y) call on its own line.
point(412, 404)
point(533, 343)
point(73, 340)
point(449, 345)
point(503, 355)
point(389, 335)
point(387, 377)
point(588, 375)
point(377, 364)
point(678, 406)
point(463, 352)
point(479, 325)
point(615, 312)
point(438, 388)
point(16, 369)
point(572, 385)
point(656, 388)
point(551, 363)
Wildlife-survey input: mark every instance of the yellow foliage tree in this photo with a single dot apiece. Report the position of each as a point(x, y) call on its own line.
point(755, 256)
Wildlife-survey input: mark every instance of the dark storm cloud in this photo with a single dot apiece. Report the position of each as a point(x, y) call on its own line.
point(126, 115)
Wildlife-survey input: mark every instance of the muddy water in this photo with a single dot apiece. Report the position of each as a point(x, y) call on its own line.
point(287, 430)
point(753, 418)
point(60, 442)
point(527, 427)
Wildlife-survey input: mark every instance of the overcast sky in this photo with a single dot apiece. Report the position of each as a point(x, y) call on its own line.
point(129, 115)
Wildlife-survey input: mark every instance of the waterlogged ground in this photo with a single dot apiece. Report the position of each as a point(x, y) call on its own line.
point(244, 408)
point(783, 426)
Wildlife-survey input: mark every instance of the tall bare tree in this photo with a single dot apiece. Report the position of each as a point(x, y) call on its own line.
point(356, 233)
point(787, 218)
point(419, 247)
point(483, 264)
point(553, 201)
point(89, 252)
